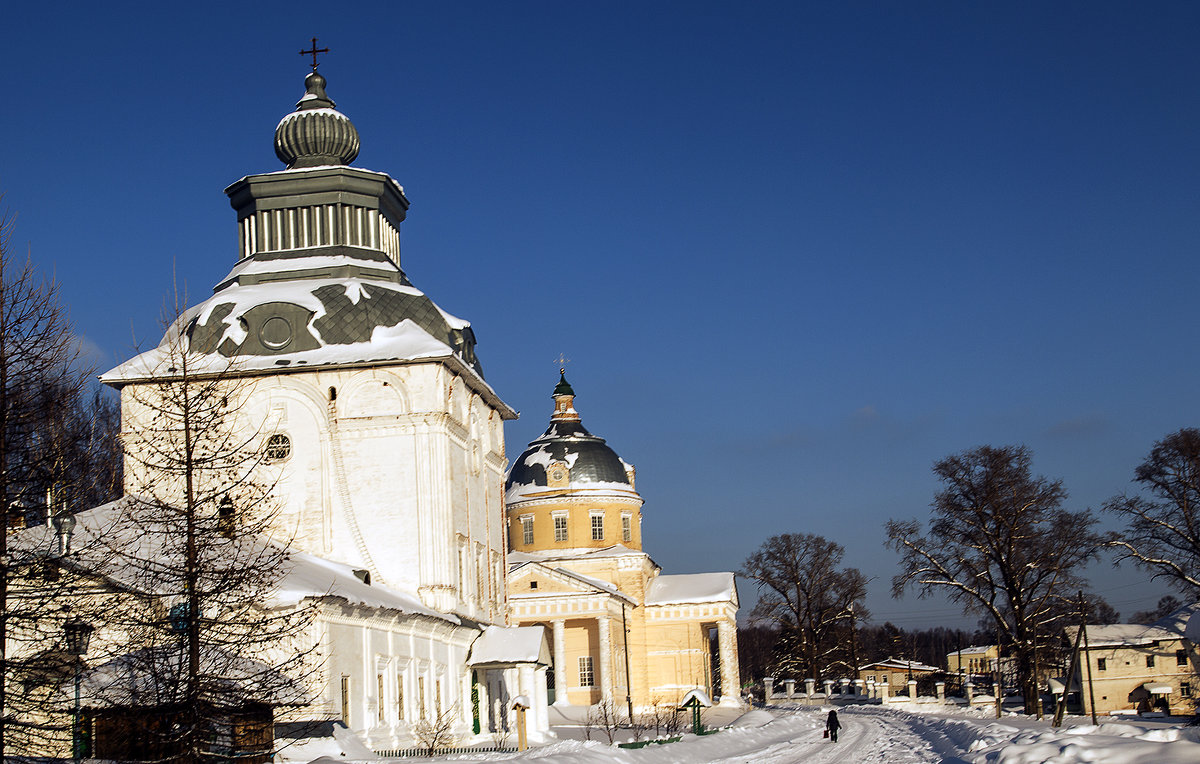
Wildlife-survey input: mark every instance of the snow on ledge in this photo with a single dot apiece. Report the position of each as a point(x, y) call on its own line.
point(691, 588)
point(510, 644)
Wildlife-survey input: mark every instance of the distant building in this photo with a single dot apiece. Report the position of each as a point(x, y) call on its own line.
point(895, 672)
point(1139, 668)
point(982, 662)
point(973, 660)
point(621, 631)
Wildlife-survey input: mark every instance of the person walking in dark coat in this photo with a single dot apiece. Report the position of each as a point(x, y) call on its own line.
point(832, 725)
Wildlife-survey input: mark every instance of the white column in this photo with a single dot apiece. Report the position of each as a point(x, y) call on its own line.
point(543, 714)
point(485, 702)
point(560, 663)
point(606, 685)
point(730, 677)
point(525, 683)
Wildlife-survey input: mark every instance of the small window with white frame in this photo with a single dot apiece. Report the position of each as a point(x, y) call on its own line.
point(597, 526)
point(626, 527)
point(587, 676)
point(560, 527)
point(527, 529)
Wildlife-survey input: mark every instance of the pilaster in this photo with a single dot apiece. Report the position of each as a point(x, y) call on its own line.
point(560, 662)
point(730, 674)
point(606, 651)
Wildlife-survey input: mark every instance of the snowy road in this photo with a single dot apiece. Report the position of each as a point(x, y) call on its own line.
point(871, 735)
point(867, 736)
point(864, 738)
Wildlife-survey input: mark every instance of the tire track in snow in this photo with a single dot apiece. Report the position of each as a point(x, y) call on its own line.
point(866, 738)
point(858, 738)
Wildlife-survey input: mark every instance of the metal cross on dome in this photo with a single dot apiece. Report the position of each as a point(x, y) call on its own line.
point(562, 362)
point(315, 50)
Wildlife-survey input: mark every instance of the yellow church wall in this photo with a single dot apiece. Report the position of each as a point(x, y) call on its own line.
point(582, 639)
point(669, 651)
point(579, 525)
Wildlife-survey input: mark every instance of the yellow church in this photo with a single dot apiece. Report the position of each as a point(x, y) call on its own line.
point(621, 632)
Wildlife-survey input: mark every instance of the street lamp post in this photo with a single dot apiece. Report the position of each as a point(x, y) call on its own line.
point(64, 528)
point(78, 634)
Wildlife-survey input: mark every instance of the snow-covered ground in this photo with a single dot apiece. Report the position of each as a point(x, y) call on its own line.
point(873, 734)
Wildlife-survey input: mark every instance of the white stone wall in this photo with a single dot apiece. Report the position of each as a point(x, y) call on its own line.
point(401, 473)
point(416, 656)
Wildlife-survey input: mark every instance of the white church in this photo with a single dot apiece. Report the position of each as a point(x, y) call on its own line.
point(387, 441)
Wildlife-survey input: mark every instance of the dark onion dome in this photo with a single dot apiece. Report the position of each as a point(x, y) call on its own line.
point(591, 465)
point(315, 134)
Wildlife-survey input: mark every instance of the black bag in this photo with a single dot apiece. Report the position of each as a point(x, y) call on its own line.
point(825, 733)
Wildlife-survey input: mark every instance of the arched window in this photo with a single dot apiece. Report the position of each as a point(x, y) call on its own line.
point(279, 447)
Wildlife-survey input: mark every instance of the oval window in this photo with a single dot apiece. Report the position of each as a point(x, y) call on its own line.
point(279, 447)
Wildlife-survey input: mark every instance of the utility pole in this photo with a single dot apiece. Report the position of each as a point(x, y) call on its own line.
point(853, 644)
point(1037, 690)
point(1061, 708)
point(999, 677)
point(1091, 687)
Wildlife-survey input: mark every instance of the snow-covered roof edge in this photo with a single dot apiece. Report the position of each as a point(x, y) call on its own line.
point(510, 644)
point(595, 583)
point(689, 588)
point(1174, 625)
point(124, 374)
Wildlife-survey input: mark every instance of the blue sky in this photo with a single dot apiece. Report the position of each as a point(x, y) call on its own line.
point(795, 252)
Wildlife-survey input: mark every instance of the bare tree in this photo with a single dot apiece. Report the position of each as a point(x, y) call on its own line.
point(1001, 545)
point(1162, 532)
point(1166, 605)
point(501, 735)
point(193, 539)
point(607, 717)
point(804, 591)
point(667, 719)
point(45, 446)
point(435, 733)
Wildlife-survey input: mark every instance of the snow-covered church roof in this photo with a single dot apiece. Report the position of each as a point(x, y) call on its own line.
point(117, 542)
point(318, 282)
point(587, 464)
